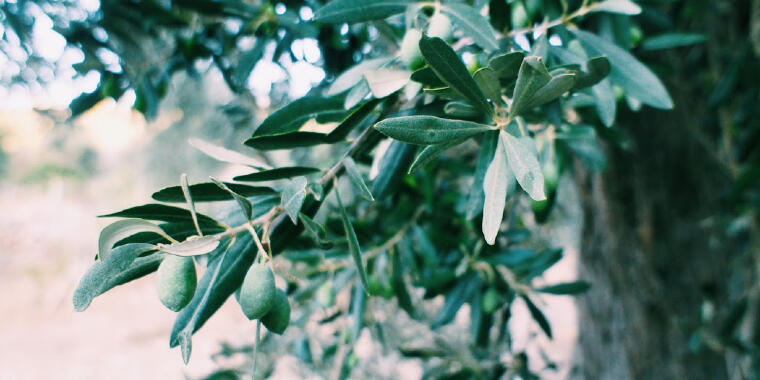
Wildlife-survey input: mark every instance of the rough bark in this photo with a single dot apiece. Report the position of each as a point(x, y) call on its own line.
point(649, 249)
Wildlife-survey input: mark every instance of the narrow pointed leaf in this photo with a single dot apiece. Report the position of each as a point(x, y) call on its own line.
point(538, 316)
point(163, 213)
point(597, 69)
point(473, 24)
point(672, 40)
point(605, 103)
point(523, 162)
point(287, 141)
point(315, 230)
point(625, 7)
point(450, 69)
point(293, 195)
point(353, 11)
point(506, 66)
point(430, 153)
point(354, 75)
point(241, 200)
point(277, 173)
point(566, 288)
point(209, 192)
point(633, 76)
point(426, 130)
point(121, 229)
point(489, 83)
point(192, 246)
point(531, 78)
point(485, 156)
point(291, 117)
point(98, 277)
point(353, 242)
point(223, 154)
point(355, 118)
point(427, 77)
point(557, 86)
point(497, 185)
point(356, 178)
point(383, 82)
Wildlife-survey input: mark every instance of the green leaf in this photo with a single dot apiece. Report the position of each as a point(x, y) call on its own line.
point(121, 229)
point(532, 77)
point(583, 143)
point(523, 162)
point(353, 11)
point(566, 288)
point(399, 285)
point(597, 69)
point(427, 77)
point(354, 75)
point(426, 130)
point(489, 83)
point(163, 213)
point(506, 66)
point(315, 230)
point(209, 192)
point(461, 292)
point(450, 69)
point(384, 82)
point(356, 179)
point(223, 275)
point(277, 173)
point(430, 153)
point(672, 40)
point(287, 141)
point(98, 277)
point(633, 76)
point(557, 86)
point(242, 201)
point(473, 24)
point(392, 166)
point(353, 242)
point(538, 316)
point(193, 246)
point(498, 183)
point(485, 156)
point(461, 109)
point(605, 103)
point(356, 117)
point(291, 117)
point(225, 155)
point(293, 195)
point(625, 7)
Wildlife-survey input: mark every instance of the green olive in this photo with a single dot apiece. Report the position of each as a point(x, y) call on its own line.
point(491, 300)
point(410, 49)
point(440, 26)
point(176, 281)
point(257, 294)
point(278, 318)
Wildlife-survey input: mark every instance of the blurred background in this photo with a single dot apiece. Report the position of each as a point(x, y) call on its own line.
point(99, 99)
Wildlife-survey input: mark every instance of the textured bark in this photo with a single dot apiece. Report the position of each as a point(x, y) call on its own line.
point(648, 248)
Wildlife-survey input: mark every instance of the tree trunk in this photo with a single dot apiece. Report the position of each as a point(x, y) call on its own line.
point(649, 249)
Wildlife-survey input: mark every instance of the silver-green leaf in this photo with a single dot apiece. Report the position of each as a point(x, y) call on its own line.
point(356, 179)
point(426, 130)
point(498, 183)
point(293, 195)
point(523, 161)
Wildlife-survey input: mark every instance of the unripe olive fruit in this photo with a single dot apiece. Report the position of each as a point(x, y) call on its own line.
point(491, 300)
point(440, 26)
point(176, 281)
point(257, 294)
point(278, 318)
point(410, 49)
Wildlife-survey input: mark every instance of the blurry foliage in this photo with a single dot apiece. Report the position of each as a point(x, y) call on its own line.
point(514, 115)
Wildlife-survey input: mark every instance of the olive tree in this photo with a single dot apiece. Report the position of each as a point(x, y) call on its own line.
point(421, 168)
